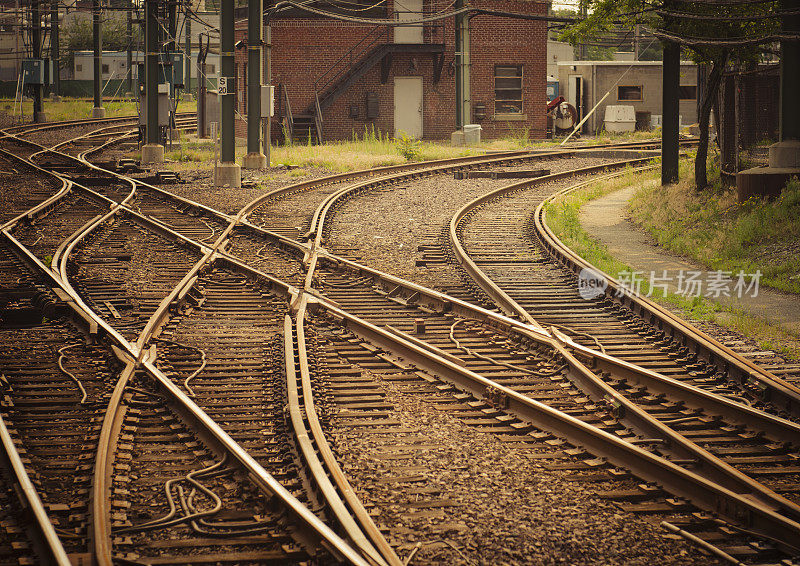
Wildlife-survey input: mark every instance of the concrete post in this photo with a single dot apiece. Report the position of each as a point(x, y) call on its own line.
point(97, 41)
point(55, 56)
point(267, 124)
point(36, 41)
point(152, 151)
point(228, 172)
point(671, 113)
point(255, 23)
point(459, 66)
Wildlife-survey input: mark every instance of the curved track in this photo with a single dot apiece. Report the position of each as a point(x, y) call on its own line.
point(262, 448)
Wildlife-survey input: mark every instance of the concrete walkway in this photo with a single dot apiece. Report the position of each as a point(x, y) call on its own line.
point(606, 220)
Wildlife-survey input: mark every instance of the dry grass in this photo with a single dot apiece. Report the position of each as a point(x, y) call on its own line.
point(711, 227)
point(81, 108)
point(563, 219)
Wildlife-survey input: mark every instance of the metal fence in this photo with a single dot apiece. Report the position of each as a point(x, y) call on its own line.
point(748, 117)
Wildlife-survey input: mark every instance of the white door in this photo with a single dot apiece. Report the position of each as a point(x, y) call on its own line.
point(575, 93)
point(408, 106)
point(408, 10)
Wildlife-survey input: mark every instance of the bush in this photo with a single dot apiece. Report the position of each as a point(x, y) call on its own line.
point(408, 147)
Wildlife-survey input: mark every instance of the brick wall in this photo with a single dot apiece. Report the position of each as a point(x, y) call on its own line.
point(304, 49)
point(505, 41)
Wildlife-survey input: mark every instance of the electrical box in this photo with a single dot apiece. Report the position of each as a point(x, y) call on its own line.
point(176, 60)
point(164, 73)
point(33, 71)
point(373, 106)
point(164, 108)
point(267, 101)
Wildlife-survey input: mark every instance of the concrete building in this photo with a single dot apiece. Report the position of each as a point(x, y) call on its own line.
point(10, 42)
point(629, 83)
point(402, 79)
point(557, 52)
point(114, 65)
point(15, 17)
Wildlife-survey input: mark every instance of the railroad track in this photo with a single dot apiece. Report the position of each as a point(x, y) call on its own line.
point(263, 532)
point(318, 236)
point(340, 276)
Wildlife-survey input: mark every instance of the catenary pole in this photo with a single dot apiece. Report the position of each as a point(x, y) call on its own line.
point(97, 43)
point(152, 151)
point(55, 55)
point(255, 24)
point(187, 68)
point(129, 54)
point(36, 41)
point(228, 172)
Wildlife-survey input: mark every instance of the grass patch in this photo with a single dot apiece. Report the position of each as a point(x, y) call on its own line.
point(81, 108)
point(563, 218)
point(372, 148)
point(711, 227)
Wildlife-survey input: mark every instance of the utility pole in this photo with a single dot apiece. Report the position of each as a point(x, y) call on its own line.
point(671, 112)
point(129, 55)
point(152, 151)
point(36, 41)
point(228, 172)
point(255, 23)
point(55, 57)
point(636, 42)
point(97, 39)
point(187, 67)
point(786, 153)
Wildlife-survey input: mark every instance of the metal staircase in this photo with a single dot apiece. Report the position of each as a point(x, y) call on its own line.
point(375, 47)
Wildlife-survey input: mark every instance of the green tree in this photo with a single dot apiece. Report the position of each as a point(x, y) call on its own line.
point(714, 33)
point(77, 35)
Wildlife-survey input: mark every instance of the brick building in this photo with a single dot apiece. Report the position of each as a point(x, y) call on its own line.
point(402, 79)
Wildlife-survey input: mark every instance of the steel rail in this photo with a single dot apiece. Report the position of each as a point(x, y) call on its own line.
point(705, 493)
point(135, 356)
point(47, 543)
point(713, 467)
point(374, 546)
point(777, 391)
point(141, 357)
point(731, 410)
point(780, 429)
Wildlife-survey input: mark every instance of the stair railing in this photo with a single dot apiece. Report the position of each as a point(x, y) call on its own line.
point(345, 63)
point(287, 113)
point(318, 117)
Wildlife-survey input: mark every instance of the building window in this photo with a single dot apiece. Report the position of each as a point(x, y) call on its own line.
point(78, 68)
point(508, 89)
point(105, 68)
point(688, 92)
point(629, 93)
point(211, 69)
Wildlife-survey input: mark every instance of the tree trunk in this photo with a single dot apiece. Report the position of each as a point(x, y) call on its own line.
point(709, 96)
